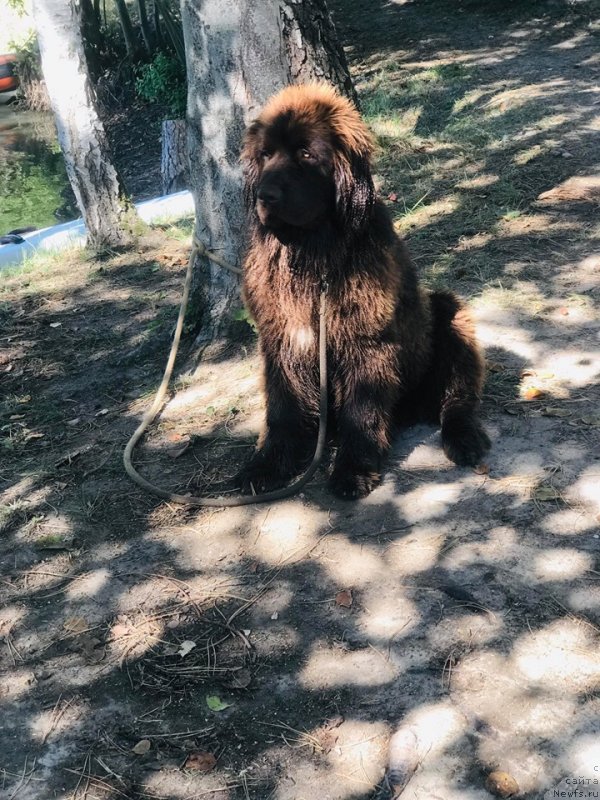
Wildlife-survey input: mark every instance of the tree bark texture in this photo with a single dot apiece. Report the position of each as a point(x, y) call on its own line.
point(174, 163)
point(81, 134)
point(238, 53)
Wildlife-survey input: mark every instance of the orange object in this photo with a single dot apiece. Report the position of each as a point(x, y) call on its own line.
point(8, 76)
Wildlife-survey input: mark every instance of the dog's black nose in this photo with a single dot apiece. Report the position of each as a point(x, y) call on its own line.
point(270, 195)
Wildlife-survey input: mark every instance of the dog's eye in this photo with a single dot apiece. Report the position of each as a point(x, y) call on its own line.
point(265, 154)
point(305, 155)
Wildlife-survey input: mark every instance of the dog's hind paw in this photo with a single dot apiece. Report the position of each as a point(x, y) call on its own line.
point(464, 441)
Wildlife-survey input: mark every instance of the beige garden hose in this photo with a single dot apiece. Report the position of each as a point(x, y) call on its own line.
point(199, 249)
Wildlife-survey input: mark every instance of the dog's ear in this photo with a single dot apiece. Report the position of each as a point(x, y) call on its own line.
point(250, 159)
point(354, 190)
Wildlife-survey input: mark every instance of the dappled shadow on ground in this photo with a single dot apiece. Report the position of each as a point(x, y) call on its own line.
point(156, 652)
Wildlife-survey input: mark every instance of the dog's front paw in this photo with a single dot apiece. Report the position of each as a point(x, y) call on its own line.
point(261, 475)
point(352, 485)
point(464, 441)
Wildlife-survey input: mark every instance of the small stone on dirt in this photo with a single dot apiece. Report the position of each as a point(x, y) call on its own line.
point(142, 747)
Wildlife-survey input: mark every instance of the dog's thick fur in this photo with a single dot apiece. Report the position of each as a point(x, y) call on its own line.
point(396, 353)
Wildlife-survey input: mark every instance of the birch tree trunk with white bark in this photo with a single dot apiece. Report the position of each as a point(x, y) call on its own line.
point(98, 190)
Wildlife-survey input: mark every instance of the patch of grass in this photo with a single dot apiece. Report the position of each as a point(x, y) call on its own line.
point(39, 263)
point(51, 541)
point(176, 228)
point(11, 512)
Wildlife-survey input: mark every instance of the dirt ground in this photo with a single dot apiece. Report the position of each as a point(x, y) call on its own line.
point(412, 643)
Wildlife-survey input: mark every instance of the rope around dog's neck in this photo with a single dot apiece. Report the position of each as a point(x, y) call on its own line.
point(200, 249)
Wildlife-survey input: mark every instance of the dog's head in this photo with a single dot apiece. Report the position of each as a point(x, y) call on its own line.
point(306, 161)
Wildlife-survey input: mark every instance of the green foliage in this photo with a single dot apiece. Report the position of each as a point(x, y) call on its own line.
point(243, 315)
point(29, 66)
point(163, 81)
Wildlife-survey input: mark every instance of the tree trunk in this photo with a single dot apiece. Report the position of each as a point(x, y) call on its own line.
point(80, 132)
point(127, 29)
point(145, 26)
point(174, 163)
point(238, 53)
point(157, 27)
point(92, 35)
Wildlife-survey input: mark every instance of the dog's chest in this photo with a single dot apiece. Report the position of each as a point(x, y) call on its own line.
point(285, 305)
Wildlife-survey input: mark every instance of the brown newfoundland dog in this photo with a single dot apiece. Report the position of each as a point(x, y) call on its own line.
point(396, 353)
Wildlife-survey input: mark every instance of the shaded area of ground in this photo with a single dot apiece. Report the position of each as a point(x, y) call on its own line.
point(154, 652)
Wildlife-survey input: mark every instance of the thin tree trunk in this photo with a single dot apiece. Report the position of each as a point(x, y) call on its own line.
point(127, 29)
point(92, 35)
point(238, 53)
point(81, 134)
point(145, 26)
point(157, 27)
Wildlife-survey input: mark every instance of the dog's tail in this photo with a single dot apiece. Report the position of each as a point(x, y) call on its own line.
point(457, 374)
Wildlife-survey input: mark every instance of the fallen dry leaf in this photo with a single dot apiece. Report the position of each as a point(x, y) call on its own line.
point(34, 435)
point(215, 703)
point(180, 448)
point(344, 598)
point(591, 419)
point(201, 762)
point(239, 680)
point(493, 366)
point(531, 393)
point(555, 412)
point(142, 747)
point(544, 493)
point(186, 647)
point(501, 784)
point(76, 625)
point(583, 188)
point(92, 649)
